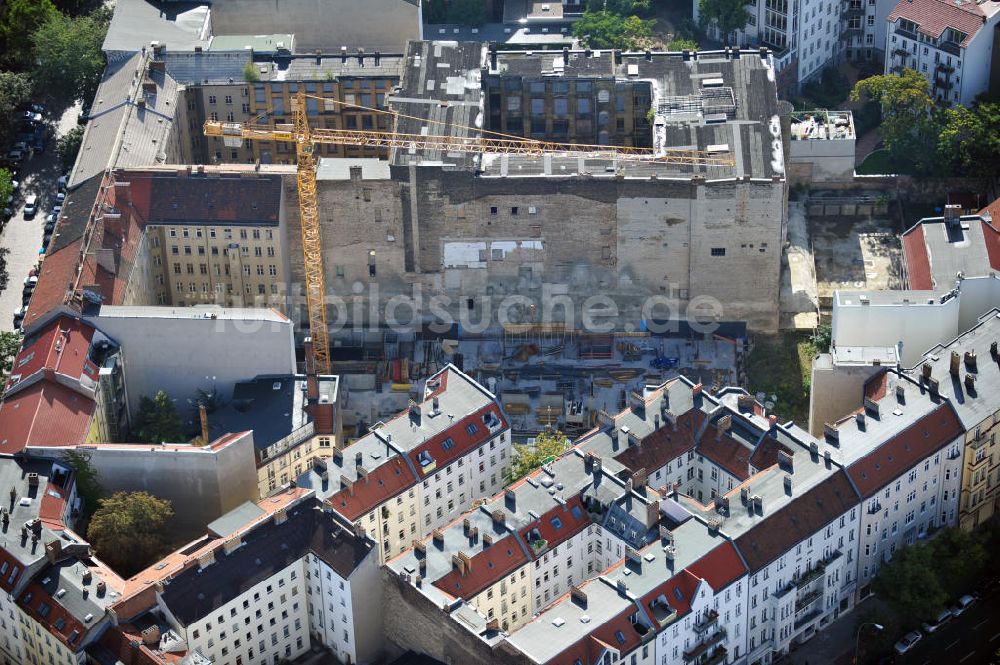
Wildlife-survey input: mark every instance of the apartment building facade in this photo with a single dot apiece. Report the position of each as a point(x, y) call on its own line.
point(906, 467)
point(951, 44)
point(806, 36)
point(416, 472)
point(968, 385)
point(269, 581)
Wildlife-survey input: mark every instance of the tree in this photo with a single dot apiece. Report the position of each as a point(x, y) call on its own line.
point(908, 125)
point(68, 146)
point(529, 456)
point(622, 7)
point(462, 12)
point(966, 555)
point(15, 90)
point(6, 185)
point(129, 530)
point(682, 44)
point(727, 15)
point(910, 583)
point(68, 55)
point(18, 19)
point(87, 484)
point(603, 29)
point(968, 141)
point(157, 420)
point(10, 342)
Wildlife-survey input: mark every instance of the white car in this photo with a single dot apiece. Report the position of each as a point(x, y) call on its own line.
point(907, 642)
point(962, 604)
point(936, 622)
point(60, 197)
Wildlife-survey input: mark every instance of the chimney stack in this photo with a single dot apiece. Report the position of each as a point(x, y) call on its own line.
point(970, 361)
point(970, 383)
point(955, 363)
point(722, 426)
point(203, 416)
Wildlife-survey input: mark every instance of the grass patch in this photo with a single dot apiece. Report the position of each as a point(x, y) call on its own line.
point(880, 162)
point(876, 163)
point(781, 365)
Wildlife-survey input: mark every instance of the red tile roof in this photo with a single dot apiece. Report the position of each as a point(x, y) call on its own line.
point(991, 236)
point(894, 457)
point(876, 386)
point(573, 518)
point(678, 591)
point(44, 414)
point(366, 494)
point(725, 452)
point(993, 210)
point(55, 281)
point(933, 17)
point(663, 445)
point(14, 567)
point(720, 567)
point(588, 651)
point(31, 601)
point(766, 454)
point(918, 263)
point(488, 567)
point(61, 347)
point(53, 506)
point(462, 441)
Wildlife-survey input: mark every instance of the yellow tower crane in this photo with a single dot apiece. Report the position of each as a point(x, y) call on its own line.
point(305, 138)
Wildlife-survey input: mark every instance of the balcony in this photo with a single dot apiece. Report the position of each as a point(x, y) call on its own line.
point(942, 83)
point(718, 656)
point(907, 34)
point(811, 576)
point(807, 600)
point(811, 616)
point(901, 53)
point(952, 48)
point(948, 69)
point(703, 646)
point(706, 622)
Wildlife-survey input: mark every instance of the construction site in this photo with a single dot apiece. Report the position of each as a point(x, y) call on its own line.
point(654, 181)
point(545, 377)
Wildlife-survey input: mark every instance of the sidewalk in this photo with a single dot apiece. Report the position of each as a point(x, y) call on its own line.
point(833, 645)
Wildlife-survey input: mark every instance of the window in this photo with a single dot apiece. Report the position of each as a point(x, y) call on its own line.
point(718, 251)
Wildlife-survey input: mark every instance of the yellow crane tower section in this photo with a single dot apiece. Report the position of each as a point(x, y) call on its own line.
point(305, 138)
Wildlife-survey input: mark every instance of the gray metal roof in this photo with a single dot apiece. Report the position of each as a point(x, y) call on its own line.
point(136, 23)
point(26, 506)
point(976, 405)
point(339, 168)
point(237, 517)
point(203, 67)
point(956, 249)
point(128, 126)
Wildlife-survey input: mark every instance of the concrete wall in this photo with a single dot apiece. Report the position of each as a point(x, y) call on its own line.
point(836, 390)
point(830, 160)
point(201, 483)
point(917, 324)
point(319, 24)
point(181, 351)
point(412, 621)
point(580, 236)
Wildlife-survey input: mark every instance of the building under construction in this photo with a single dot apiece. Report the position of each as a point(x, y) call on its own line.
point(472, 224)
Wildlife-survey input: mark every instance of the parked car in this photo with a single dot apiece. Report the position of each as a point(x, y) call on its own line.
point(39, 144)
point(60, 197)
point(55, 209)
point(50, 223)
point(32, 116)
point(908, 641)
point(37, 108)
point(84, 115)
point(19, 313)
point(962, 604)
point(15, 156)
point(61, 182)
point(936, 622)
point(31, 206)
point(30, 282)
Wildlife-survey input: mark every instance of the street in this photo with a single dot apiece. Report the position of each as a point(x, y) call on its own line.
point(970, 639)
point(23, 238)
